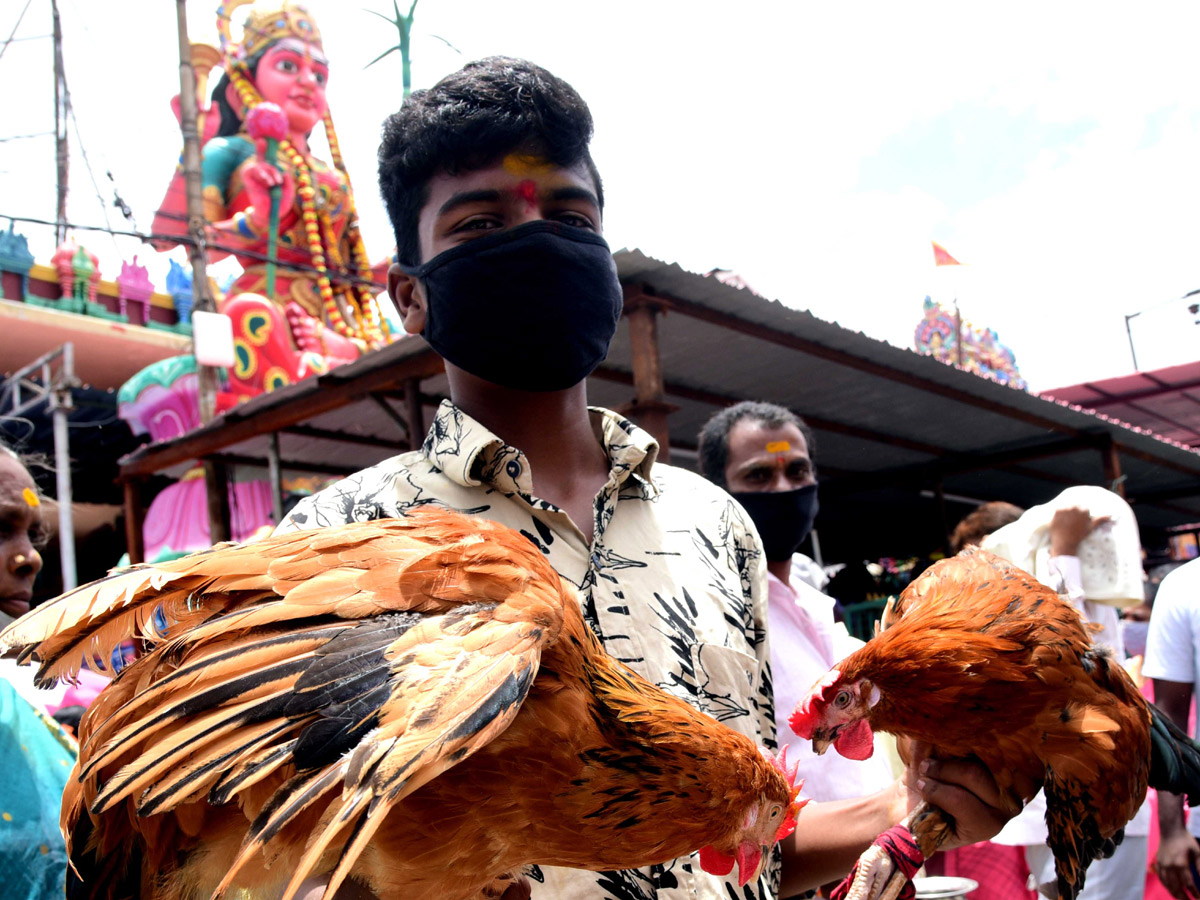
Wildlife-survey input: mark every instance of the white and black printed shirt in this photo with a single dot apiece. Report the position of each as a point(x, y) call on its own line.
point(673, 585)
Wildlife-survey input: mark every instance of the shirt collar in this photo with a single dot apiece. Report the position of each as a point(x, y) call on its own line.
point(472, 456)
point(631, 451)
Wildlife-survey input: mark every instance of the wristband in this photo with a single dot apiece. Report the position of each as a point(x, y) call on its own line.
point(900, 845)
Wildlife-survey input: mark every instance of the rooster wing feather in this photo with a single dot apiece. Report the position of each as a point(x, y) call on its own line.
point(415, 704)
point(358, 664)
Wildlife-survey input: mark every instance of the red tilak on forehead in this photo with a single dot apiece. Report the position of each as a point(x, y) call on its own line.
point(527, 191)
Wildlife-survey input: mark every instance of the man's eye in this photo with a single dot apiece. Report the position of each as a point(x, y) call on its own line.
point(38, 536)
point(286, 65)
point(477, 225)
point(320, 77)
point(577, 220)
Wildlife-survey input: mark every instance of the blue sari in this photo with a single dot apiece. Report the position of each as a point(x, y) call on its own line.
point(36, 758)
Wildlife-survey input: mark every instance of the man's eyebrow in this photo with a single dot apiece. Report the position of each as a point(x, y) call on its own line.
point(574, 192)
point(756, 463)
point(464, 198)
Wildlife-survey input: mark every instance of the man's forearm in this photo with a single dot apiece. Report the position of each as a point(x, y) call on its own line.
point(1170, 813)
point(829, 838)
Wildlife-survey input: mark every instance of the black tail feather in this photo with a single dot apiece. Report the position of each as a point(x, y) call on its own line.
point(93, 877)
point(1174, 758)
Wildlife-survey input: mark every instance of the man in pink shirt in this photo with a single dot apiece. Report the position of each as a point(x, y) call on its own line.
point(761, 454)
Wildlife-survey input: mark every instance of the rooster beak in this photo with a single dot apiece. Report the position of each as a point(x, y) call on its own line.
point(762, 861)
point(820, 744)
point(764, 855)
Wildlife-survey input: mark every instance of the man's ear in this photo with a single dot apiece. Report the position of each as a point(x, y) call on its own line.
point(409, 296)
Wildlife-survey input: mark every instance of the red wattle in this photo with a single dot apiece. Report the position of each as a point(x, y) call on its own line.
point(714, 862)
point(856, 741)
point(748, 855)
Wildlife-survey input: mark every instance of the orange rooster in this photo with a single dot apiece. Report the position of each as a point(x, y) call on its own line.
point(412, 704)
point(978, 658)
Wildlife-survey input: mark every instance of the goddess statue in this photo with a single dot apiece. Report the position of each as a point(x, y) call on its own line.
point(321, 313)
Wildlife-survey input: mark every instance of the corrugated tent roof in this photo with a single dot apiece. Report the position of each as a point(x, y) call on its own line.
point(1166, 401)
point(891, 423)
point(904, 444)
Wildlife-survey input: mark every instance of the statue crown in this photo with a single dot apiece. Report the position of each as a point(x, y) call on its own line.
point(267, 23)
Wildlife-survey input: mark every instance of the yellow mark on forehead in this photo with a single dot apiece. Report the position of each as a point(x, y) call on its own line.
point(778, 447)
point(31, 498)
point(526, 164)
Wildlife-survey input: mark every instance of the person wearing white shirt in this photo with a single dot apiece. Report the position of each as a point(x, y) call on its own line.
point(1173, 662)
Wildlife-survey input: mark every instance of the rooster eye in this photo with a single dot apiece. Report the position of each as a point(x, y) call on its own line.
point(842, 700)
point(775, 812)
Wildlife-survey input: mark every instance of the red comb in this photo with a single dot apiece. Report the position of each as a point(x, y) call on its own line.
point(780, 762)
point(804, 719)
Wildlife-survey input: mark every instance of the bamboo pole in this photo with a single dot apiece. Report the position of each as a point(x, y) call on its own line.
point(202, 299)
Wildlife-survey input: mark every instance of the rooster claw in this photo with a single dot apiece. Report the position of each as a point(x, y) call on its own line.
point(875, 877)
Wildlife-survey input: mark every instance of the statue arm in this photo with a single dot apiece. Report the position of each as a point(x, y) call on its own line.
point(223, 157)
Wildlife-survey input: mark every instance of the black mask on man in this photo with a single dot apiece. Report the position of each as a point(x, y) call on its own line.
point(532, 308)
point(783, 518)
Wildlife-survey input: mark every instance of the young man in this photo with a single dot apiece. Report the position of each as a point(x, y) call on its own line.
point(497, 206)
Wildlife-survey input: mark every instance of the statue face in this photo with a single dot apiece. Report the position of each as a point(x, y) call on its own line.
point(292, 74)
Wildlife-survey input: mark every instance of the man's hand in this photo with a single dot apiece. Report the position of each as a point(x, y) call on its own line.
point(966, 791)
point(1178, 853)
point(1068, 528)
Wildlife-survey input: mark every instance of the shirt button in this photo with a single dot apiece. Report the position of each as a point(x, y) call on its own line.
point(513, 468)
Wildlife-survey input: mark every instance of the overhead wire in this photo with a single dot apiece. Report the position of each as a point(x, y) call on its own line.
point(69, 108)
point(336, 274)
point(12, 34)
point(21, 137)
point(87, 163)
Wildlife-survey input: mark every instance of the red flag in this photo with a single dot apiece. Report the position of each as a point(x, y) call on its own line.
point(941, 257)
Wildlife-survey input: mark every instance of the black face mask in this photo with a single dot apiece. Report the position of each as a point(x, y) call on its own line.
point(532, 308)
point(783, 518)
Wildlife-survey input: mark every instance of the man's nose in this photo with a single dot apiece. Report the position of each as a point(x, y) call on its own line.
point(26, 561)
point(780, 482)
point(783, 481)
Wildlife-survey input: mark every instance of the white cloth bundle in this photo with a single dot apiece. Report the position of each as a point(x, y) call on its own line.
point(1110, 558)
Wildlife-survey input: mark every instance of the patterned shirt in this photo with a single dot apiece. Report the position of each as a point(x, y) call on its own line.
point(673, 584)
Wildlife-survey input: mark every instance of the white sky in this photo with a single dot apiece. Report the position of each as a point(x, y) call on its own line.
point(814, 148)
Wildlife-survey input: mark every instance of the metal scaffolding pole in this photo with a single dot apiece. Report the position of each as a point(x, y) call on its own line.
point(54, 389)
